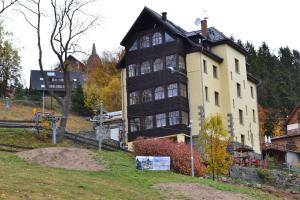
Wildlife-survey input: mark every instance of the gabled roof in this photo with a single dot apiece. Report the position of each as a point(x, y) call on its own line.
point(36, 78)
point(294, 111)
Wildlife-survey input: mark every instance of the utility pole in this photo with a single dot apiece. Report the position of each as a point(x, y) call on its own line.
point(100, 129)
point(192, 153)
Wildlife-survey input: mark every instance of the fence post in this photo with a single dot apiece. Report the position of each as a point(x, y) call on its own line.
point(53, 131)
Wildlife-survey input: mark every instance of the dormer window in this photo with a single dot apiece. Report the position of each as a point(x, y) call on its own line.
point(145, 41)
point(168, 38)
point(134, 46)
point(156, 39)
point(145, 67)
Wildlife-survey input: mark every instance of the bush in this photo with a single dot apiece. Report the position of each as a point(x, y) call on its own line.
point(178, 152)
point(266, 176)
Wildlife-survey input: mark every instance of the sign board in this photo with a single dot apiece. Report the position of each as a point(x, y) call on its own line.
point(161, 163)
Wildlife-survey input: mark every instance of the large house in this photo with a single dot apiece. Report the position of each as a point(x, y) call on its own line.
point(171, 77)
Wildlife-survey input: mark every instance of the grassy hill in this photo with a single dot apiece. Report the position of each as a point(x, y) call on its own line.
point(21, 180)
point(22, 110)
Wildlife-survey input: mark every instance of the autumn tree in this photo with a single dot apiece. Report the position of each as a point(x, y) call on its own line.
point(71, 19)
point(215, 138)
point(9, 62)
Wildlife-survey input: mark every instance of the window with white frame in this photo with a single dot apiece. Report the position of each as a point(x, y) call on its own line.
point(145, 67)
point(174, 118)
point(161, 120)
point(183, 91)
point(156, 38)
point(146, 95)
point(171, 61)
point(133, 98)
point(134, 124)
point(145, 41)
point(173, 90)
point(148, 122)
point(181, 64)
point(158, 64)
point(184, 118)
point(159, 93)
point(132, 70)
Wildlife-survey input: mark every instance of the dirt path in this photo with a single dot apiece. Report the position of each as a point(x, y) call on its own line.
point(197, 192)
point(67, 158)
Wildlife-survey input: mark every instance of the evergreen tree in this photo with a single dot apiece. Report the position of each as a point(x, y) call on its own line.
point(78, 105)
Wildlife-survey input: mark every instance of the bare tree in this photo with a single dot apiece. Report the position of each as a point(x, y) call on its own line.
point(6, 4)
point(70, 21)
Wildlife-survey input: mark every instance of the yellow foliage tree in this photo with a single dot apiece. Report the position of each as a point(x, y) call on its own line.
point(214, 139)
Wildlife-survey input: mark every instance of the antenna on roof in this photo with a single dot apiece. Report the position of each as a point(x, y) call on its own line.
point(205, 15)
point(197, 21)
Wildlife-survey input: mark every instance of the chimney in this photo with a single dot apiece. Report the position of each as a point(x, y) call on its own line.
point(204, 28)
point(164, 16)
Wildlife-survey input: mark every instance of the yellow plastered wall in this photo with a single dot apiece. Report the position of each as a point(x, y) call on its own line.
point(250, 128)
point(124, 100)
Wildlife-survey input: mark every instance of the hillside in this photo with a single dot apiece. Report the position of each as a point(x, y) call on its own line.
point(23, 111)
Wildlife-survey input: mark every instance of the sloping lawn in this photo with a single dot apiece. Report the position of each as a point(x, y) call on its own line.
point(21, 180)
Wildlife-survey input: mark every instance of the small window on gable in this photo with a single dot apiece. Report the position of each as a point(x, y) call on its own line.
point(133, 46)
point(145, 41)
point(158, 64)
point(168, 38)
point(204, 67)
point(156, 38)
point(237, 65)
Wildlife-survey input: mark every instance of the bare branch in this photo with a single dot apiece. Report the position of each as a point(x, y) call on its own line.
point(7, 5)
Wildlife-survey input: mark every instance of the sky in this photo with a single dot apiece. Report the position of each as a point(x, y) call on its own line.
point(274, 21)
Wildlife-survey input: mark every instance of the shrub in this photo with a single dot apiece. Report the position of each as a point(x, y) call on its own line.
point(266, 176)
point(178, 152)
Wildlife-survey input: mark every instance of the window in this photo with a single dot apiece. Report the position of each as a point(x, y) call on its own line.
point(50, 73)
point(181, 64)
point(156, 38)
point(174, 118)
point(42, 86)
point(132, 70)
point(241, 118)
point(238, 90)
point(184, 118)
point(133, 98)
point(41, 78)
point(148, 122)
point(146, 96)
point(215, 71)
point(206, 93)
point(158, 64)
point(171, 61)
point(254, 116)
point(183, 92)
point(133, 46)
point(145, 41)
point(159, 93)
point(217, 101)
point(145, 67)
point(204, 67)
point(243, 140)
point(161, 120)
point(168, 38)
point(252, 92)
point(252, 140)
point(173, 90)
point(134, 124)
point(237, 66)
point(231, 75)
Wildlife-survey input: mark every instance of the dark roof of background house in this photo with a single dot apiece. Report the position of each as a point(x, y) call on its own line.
point(36, 75)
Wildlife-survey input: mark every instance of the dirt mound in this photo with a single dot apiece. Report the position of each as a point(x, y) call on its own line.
point(67, 158)
point(196, 191)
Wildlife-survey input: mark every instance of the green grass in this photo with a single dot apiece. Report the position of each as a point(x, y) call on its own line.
point(21, 180)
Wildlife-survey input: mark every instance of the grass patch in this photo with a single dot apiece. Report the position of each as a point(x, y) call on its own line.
point(121, 181)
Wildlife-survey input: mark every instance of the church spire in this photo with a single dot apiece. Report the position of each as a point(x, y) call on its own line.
point(94, 49)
